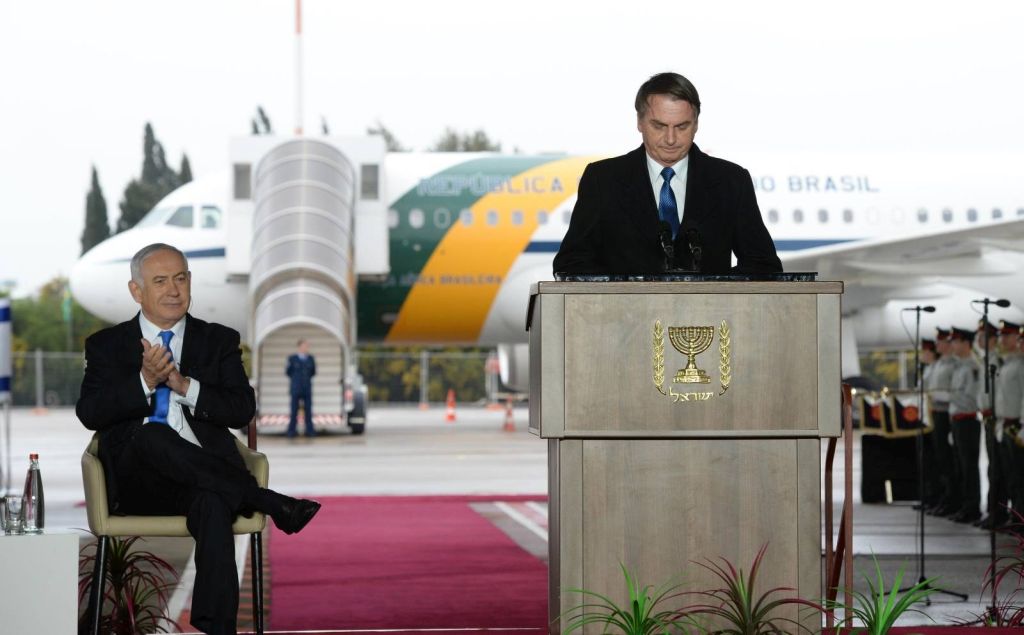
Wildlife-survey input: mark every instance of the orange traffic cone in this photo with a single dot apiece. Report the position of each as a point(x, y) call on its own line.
point(450, 406)
point(510, 420)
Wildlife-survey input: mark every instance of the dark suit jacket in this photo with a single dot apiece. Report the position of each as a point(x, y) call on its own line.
point(615, 224)
point(113, 403)
point(301, 372)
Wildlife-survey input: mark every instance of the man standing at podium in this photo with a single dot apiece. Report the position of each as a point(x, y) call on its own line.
point(666, 198)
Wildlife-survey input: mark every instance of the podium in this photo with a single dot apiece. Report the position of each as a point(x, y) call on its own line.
point(684, 422)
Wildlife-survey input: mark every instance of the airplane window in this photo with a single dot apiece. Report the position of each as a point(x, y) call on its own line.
point(922, 215)
point(155, 217)
point(1020, 211)
point(542, 217)
point(492, 217)
point(798, 216)
point(442, 217)
point(517, 217)
point(566, 216)
point(466, 216)
point(822, 215)
point(997, 213)
point(972, 215)
point(210, 216)
point(847, 215)
point(947, 215)
point(182, 217)
point(392, 218)
point(416, 218)
point(773, 216)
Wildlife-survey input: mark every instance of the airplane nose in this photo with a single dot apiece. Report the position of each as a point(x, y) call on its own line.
point(99, 281)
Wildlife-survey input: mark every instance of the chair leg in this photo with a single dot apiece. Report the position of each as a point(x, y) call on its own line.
point(98, 580)
point(256, 552)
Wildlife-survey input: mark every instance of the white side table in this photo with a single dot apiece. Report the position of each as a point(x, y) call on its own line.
point(39, 583)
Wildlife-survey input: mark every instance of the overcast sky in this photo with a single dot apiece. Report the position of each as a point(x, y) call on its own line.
point(78, 81)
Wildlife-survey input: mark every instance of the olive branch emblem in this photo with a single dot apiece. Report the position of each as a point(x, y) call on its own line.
point(724, 346)
point(659, 357)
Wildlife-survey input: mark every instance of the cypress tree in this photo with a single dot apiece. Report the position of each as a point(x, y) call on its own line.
point(158, 179)
point(185, 173)
point(96, 228)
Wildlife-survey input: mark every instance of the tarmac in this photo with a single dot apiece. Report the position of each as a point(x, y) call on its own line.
point(407, 451)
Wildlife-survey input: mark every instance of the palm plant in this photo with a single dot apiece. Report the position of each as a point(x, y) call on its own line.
point(878, 609)
point(135, 589)
point(736, 607)
point(642, 615)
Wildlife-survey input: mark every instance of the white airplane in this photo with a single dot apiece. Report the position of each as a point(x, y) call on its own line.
point(468, 234)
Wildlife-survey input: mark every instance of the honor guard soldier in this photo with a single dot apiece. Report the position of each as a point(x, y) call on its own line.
point(933, 490)
point(963, 414)
point(1009, 397)
point(986, 338)
point(938, 381)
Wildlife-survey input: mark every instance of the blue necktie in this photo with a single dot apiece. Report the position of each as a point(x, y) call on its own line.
point(163, 393)
point(667, 209)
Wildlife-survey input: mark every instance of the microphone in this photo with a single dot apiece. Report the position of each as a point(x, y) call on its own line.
point(665, 237)
point(696, 250)
point(999, 303)
point(926, 309)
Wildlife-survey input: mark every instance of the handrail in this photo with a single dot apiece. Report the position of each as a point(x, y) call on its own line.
point(839, 559)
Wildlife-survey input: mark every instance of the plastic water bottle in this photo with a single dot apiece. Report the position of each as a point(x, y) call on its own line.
point(33, 498)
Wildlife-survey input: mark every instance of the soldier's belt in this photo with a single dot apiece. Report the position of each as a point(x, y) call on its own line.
point(965, 416)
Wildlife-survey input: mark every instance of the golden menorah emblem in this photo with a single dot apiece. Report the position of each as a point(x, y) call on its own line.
point(691, 341)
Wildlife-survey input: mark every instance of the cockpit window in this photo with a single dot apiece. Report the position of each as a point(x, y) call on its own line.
point(156, 216)
point(182, 217)
point(209, 217)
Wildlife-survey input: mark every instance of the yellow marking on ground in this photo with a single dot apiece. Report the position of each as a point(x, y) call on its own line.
point(465, 272)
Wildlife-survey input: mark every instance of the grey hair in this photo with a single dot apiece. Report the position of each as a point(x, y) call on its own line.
point(147, 251)
point(672, 84)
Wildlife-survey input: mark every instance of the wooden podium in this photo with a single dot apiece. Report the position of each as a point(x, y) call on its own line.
point(684, 422)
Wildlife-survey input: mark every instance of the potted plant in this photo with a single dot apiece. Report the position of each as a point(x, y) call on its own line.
point(644, 614)
point(135, 590)
point(878, 609)
point(736, 608)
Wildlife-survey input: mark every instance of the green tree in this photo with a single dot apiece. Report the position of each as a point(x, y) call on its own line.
point(390, 140)
point(97, 228)
point(38, 321)
point(158, 179)
point(185, 173)
point(264, 120)
point(452, 141)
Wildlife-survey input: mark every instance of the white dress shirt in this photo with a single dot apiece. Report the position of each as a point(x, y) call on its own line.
point(678, 183)
point(175, 416)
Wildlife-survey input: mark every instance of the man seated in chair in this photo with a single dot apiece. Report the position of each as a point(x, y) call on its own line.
point(162, 389)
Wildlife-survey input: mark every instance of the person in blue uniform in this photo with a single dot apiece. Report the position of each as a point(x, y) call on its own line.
point(300, 370)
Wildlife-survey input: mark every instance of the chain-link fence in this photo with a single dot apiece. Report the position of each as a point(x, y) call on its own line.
point(53, 379)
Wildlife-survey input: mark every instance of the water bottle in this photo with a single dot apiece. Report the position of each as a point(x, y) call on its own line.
point(33, 499)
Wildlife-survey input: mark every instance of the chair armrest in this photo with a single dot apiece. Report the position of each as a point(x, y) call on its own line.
point(255, 462)
point(95, 486)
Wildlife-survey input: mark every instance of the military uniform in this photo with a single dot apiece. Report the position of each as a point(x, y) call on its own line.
point(963, 413)
point(1009, 399)
point(938, 379)
point(998, 498)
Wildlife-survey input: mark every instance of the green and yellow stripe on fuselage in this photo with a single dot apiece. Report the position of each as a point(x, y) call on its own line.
point(453, 242)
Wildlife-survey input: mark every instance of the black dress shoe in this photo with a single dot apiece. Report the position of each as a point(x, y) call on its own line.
point(294, 514)
point(988, 522)
point(948, 510)
point(966, 517)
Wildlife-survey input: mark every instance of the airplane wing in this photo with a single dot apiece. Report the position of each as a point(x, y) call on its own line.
point(985, 258)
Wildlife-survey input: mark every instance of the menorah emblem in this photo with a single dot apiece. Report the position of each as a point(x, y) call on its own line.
point(691, 341)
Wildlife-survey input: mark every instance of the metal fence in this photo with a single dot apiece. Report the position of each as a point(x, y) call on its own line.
point(44, 379)
point(53, 379)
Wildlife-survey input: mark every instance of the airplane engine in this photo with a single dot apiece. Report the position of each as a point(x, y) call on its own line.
point(514, 366)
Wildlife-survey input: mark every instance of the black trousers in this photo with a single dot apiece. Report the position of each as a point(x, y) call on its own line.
point(159, 473)
point(947, 467)
point(967, 441)
point(998, 476)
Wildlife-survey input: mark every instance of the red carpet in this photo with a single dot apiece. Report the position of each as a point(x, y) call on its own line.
point(404, 563)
